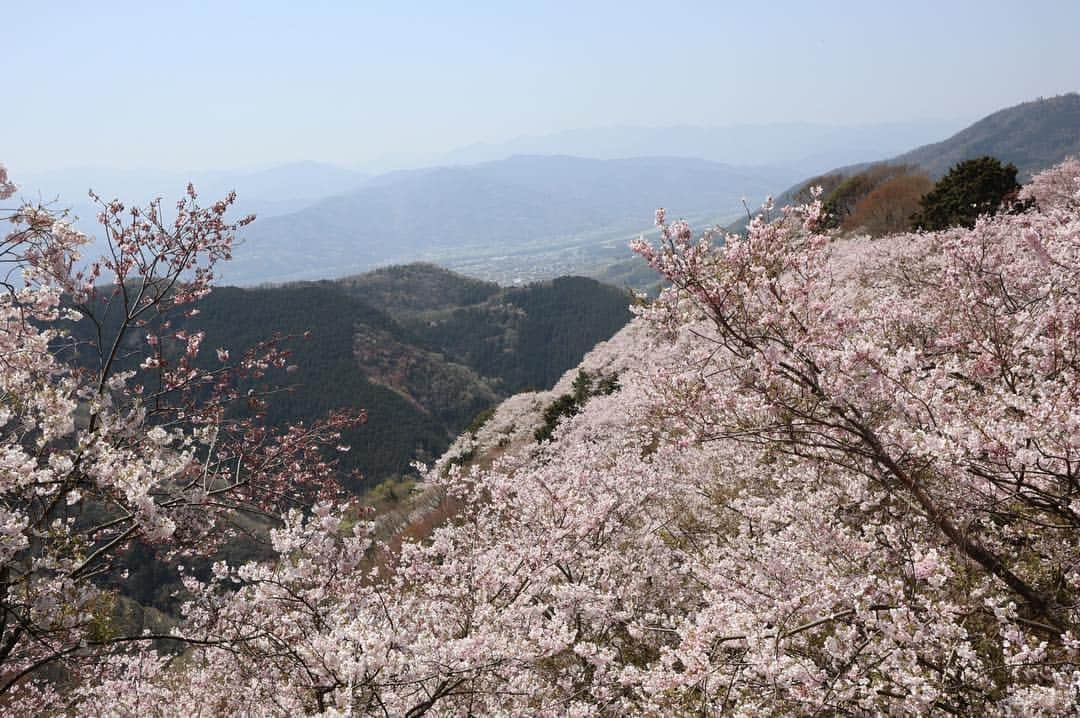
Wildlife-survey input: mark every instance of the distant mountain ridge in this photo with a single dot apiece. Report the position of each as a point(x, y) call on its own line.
point(517, 205)
point(804, 147)
point(1032, 135)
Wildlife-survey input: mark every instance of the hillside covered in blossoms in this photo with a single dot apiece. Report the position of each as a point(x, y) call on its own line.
point(817, 476)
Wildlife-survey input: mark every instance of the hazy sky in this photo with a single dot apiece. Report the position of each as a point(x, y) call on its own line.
point(179, 84)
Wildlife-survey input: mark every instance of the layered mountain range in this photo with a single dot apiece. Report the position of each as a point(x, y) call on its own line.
point(525, 217)
point(535, 216)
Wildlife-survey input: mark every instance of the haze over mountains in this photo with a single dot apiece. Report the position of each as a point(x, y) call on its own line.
point(533, 216)
point(539, 206)
point(267, 192)
point(798, 146)
point(567, 202)
point(778, 154)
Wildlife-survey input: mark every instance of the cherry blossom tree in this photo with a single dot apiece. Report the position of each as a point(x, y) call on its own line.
point(120, 436)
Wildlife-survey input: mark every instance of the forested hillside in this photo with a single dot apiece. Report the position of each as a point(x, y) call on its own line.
point(523, 337)
point(422, 350)
point(324, 323)
point(1032, 135)
point(403, 289)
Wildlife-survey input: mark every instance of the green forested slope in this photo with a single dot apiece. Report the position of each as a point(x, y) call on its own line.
point(420, 349)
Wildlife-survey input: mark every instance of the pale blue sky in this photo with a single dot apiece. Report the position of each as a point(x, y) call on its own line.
point(242, 84)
